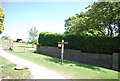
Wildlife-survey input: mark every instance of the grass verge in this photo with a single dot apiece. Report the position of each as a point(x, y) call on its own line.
point(69, 69)
point(7, 72)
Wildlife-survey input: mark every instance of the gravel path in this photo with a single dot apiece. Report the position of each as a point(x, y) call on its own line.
point(37, 71)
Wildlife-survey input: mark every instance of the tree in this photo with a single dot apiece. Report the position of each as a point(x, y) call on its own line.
point(4, 38)
point(117, 16)
point(33, 34)
point(99, 17)
point(105, 14)
point(81, 24)
point(1, 20)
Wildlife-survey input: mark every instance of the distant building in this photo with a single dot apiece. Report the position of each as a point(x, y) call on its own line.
point(18, 40)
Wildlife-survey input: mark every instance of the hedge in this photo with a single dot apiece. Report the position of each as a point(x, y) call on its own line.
point(49, 39)
point(91, 44)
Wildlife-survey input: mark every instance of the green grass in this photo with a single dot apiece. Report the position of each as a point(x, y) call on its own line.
point(23, 47)
point(69, 69)
point(7, 72)
point(18, 43)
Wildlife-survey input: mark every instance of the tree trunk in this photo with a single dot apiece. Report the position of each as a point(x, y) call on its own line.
point(110, 28)
point(108, 32)
point(111, 31)
point(101, 32)
point(97, 28)
point(118, 29)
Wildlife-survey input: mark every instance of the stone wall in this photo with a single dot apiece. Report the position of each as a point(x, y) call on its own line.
point(116, 61)
point(103, 60)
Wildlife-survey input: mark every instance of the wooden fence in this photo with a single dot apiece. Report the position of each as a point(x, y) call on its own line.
point(16, 46)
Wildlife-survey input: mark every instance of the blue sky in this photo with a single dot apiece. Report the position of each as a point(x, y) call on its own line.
point(45, 16)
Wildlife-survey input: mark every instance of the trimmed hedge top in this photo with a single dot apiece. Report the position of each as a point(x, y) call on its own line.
point(85, 43)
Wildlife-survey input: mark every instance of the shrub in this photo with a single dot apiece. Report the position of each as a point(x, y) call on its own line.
point(49, 39)
point(85, 43)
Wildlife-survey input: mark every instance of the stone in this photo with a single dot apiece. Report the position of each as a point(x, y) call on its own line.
point(2, 65)
point(20, 67)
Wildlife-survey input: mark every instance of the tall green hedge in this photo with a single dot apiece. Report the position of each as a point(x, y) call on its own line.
point(49, 39)
point(92, 44)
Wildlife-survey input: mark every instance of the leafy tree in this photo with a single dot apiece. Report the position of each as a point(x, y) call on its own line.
point(1, 20)
point(101, 16)
point(105, 14)
point(33, 34)
point(80, 24)
point(117, 16)
point(4, 37)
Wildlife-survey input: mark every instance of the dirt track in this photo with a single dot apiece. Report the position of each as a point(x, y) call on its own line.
point(37, 71)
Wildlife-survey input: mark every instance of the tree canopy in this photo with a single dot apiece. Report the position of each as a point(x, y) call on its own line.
point(4, 38)
point(33, 34)
point(101, 18)
point(2, 16)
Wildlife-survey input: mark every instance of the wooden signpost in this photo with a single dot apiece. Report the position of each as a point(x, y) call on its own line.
point(61, 44)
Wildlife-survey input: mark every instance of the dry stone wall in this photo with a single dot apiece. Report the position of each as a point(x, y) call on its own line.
point(102, 60)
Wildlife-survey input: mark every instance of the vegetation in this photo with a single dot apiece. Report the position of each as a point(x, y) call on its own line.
point(69, 69)
point(33, 34)
point(2, 16)
point(7, 72)
point(90, 31)
point(85, 43)
point(101, 18)
point(49, 39)
point(4, 37)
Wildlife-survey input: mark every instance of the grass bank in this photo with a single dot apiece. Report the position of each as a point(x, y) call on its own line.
point(7, 72)
point(70, 69)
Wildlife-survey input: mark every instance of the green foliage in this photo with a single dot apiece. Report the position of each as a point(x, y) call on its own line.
point(33, 42)
point(99, 17)
point(7, 72)
point(33, 34)
point(4, 37)
point(2, 16)
point(49, 39)
point(85, 43)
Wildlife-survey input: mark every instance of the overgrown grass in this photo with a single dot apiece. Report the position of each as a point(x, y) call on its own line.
point(7, 72)
point(69, 69)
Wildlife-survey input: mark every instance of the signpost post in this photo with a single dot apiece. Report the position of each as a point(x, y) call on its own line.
point(61, 44)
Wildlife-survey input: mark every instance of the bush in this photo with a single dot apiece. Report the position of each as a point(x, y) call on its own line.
point(49, 39)
point(33, 42)
point(85, 43)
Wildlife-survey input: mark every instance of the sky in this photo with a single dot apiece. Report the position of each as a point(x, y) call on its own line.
point(47, 0)
point(45, 16)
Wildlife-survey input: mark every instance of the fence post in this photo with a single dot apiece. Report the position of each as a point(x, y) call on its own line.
point(116, 61)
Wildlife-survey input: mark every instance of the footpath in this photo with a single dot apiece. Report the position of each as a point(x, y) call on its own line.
point(38, 72)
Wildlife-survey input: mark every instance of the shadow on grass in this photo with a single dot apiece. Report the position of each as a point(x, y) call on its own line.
point(72, 63)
